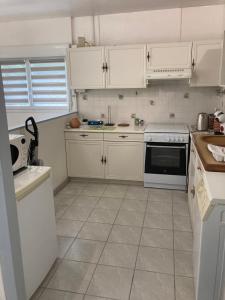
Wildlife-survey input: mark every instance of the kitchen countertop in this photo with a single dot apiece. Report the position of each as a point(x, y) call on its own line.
point(118, 129)
point(208, 161)
point(28, 179)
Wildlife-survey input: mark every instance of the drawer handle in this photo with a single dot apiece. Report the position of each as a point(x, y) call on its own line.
point(83, 135)
point(102, 160)
point(193, 192)
point(123, 136)
point(105, 160)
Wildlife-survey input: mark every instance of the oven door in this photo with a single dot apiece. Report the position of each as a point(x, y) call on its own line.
point(165, 158)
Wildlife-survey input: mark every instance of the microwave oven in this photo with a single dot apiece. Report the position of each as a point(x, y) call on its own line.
point(19, 152)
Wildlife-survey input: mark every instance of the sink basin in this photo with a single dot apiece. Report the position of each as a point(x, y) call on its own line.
point(217, 140)
point(102, 127)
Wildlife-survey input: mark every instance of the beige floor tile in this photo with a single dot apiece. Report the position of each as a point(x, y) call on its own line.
point(72, 276)
point(60, 295)
point(157, 238)
point(180, 208)
point(94, 189)
point(95, 231)
point(72, 189)
point(100, 215)
point(64, 243)
point(115, 190)
point(160, 195)
point(125, 234)
point(51, 272)
point(78, 213)
point(180, 195)
point(132, 218)
point(86, 201)
point(87, 297)
point(184, 288)
point(137, 193)
point(109, 203)
point(155, 260)
point(68, 227)
point(159, 207)
point(161, 221)
point(183, 263)
point(183, 240)
point(60, 210)
point(134, 205)
point(111, 282)
point(85, 250)
point(152, 286)
point(64, 199)
point(182, 223)
point(120, 255)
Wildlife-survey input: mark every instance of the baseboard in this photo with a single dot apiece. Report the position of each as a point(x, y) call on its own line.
point(61, 186)
point(97, 180)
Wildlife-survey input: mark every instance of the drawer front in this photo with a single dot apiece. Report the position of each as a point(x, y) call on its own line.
point(134, 137)
point(83, 135)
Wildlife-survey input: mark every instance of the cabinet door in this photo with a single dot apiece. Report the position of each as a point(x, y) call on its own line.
point(191, 181)
point(169, 55)
point(124, 160)
point(206, 63)
point(84, 159)
point(86, 68)
point(126, 66)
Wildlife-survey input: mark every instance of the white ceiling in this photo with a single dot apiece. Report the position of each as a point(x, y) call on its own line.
point(19, 9)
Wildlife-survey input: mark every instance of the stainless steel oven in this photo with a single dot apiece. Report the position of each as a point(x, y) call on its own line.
point(166, 157)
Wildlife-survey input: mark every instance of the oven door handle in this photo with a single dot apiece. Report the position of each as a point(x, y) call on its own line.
point(169, 147)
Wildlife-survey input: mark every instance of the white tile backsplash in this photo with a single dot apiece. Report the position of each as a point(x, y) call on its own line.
point(168, 97)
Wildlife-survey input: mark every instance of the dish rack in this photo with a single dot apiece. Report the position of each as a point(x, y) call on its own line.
point(218, 152)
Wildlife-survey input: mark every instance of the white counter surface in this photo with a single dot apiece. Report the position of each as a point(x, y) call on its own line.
point(28, 179)
point(117, 129)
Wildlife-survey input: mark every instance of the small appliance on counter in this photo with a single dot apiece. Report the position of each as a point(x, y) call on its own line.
point(202, 122)
point(18, 148)
point(75, 123)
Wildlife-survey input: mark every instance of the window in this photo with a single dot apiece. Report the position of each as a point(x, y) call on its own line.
point(35, 82)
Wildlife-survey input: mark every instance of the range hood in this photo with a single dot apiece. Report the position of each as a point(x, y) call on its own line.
point(169, 61)
point(169, 73)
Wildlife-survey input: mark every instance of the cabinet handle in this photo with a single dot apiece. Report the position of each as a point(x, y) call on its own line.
point(193, 64)
point(105, 160)
point(199, 168)
point(123, 136)
point(148, 56)
point(192, 150)
point(102, 160)
point(106, 67)
point(103, 67)
point(193, 192)
point(83, 135)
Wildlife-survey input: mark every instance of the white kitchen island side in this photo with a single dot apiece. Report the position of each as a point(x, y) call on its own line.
point(36, 216)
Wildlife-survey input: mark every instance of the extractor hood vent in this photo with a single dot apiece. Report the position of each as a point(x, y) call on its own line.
point(169, 73)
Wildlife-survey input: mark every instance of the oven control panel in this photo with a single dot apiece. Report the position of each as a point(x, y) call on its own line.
point(178, 138)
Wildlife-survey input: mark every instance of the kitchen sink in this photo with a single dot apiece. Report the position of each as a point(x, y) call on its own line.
point(111, 128)
point(218, 140)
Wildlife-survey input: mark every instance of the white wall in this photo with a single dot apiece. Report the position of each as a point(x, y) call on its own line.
point(204, 22)
point(36, 32)
point(168, 98)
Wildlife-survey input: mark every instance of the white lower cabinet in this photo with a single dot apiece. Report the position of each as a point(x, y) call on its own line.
point(121, 160)
point(124, 160)
point(84, 158)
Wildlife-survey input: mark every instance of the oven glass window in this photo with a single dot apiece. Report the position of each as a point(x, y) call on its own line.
point(165, 159)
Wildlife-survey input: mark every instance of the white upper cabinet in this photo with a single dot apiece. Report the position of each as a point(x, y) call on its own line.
point(206, 61)
point(169, 55)
point(87, 68)
point(125, 66)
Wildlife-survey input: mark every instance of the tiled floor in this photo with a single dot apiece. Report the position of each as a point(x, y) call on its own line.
point(121, 242)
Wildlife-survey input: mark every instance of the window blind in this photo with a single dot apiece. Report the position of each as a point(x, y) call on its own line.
point(15, 84)
point(48, 82)
point(35, 82)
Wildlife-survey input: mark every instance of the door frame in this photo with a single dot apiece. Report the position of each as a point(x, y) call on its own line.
point(10, 249)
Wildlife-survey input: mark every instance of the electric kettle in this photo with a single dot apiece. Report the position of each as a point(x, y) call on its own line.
point(202, 122)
